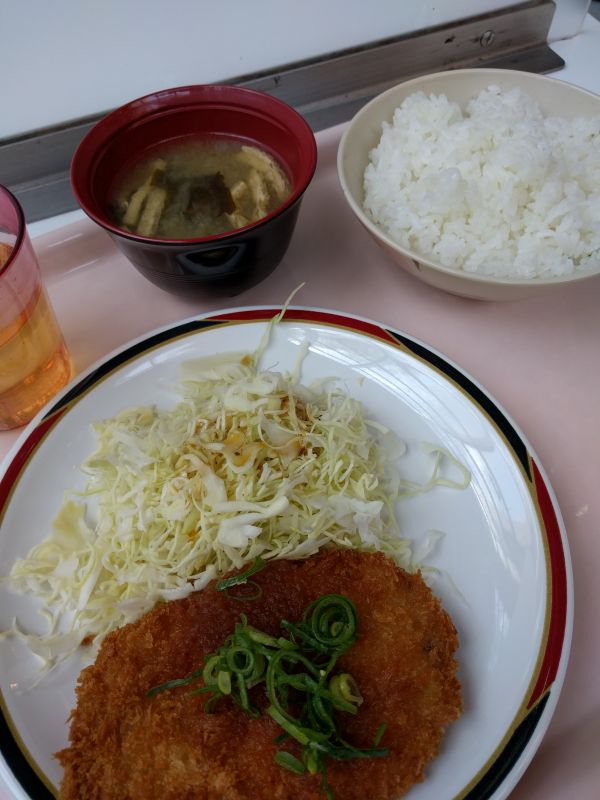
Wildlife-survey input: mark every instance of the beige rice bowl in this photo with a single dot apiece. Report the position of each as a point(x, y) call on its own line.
point(494, 189)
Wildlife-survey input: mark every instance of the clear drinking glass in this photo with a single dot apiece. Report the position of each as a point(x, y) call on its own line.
point(34, 362)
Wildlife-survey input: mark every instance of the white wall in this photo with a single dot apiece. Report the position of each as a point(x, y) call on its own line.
point(66, 59)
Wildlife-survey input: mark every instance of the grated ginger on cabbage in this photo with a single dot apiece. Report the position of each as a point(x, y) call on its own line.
point(249, 463)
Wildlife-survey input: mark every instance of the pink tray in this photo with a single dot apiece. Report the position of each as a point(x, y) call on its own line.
point(539, 358)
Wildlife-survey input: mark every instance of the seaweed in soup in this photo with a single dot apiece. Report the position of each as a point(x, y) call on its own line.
point(197, 188)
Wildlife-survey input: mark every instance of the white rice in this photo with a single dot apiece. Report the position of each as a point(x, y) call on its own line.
point(497, 189)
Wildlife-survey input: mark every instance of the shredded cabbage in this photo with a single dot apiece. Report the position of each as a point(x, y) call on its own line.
point(249, 463)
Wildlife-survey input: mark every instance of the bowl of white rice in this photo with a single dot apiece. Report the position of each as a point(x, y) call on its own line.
point(481, 182)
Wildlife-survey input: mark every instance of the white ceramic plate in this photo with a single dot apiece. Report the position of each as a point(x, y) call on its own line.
point(504, 547)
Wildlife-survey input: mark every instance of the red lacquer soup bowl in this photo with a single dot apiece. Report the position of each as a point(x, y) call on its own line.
point(224, 263)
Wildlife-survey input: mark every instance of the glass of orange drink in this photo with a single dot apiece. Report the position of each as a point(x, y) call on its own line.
point(34, 361)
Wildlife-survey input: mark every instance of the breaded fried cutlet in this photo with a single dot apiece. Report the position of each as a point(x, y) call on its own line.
point(126, 745)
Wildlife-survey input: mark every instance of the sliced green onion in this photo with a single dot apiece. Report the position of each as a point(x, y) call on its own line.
point(347, 752)
point(311, 759)
point(163, 687)
point(332, 620)
point(210, 672)
point(343, 687)
point(202, 690)
point(261, 638)
point(211, 702)
point(241, 660)
point(238, 580)
point(304, 636)
point(224, 681)
point(379, 734)
point(290, 762)
point(289, 727)
point(297, 671)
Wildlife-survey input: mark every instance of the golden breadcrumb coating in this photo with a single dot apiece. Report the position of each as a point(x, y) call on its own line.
point(125, 745)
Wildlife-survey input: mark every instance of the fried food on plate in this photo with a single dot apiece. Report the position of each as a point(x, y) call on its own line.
point(125, 744)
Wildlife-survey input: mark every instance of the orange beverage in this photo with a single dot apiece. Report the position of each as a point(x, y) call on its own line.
point(34, 362)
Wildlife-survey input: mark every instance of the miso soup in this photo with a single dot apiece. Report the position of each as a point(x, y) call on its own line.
point(198, 187)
